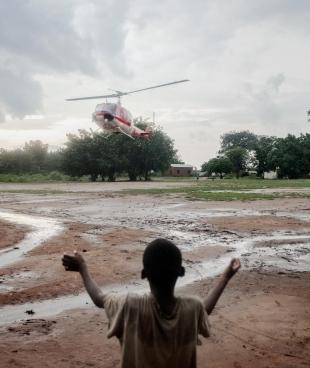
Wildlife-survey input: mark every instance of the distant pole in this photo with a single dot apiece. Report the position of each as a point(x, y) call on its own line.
point(154, 117)
point(309, 115)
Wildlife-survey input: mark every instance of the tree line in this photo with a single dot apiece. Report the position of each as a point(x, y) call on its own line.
point(102, 157)
point(242, 152)
point(97, 155)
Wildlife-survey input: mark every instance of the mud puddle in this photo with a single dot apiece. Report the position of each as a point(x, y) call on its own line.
point(51, 307)
point(43, 229)
point(287, 250)
point(281, 255)
point(8, 282)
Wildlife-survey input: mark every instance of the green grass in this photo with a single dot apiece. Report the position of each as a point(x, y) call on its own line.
point(242, 196)
point(34, 178)
point(229, 190)
point(204, 189)
point(246, 183)
point(34, 191)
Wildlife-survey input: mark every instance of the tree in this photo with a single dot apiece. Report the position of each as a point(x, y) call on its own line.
point(243, 139)
point(238, 157)
point(218, 165)
point(97, 154)
point(80, 156)
point(38, 154)
point(16, 162)
point(290, 156)
point(54, 161)
point(145, 155)
point(264, 147)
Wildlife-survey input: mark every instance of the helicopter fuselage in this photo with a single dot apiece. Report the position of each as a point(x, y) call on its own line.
point(114, 118)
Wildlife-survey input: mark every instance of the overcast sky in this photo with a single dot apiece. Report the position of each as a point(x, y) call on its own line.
point(247, 61)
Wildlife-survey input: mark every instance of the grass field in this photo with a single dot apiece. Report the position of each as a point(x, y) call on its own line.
point(232, 189)
point(244, 189)
point(243, 183)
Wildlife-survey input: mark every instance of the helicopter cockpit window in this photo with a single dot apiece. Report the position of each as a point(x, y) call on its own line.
point(99, 107)
point(109, 107)
point(126, 115)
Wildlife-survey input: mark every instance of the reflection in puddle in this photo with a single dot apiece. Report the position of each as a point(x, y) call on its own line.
point(43, 229)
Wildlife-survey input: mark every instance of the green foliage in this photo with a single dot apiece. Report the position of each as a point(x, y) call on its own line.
point(264, 147)
point(37, 152)
point(243, 139)
point(97, 154)
point(290, 156)
point(238, 157)
point(232, 189)
point(30, 178)
point(32, 158)
point(145, 155)
point(238, 147)
point(218, 165)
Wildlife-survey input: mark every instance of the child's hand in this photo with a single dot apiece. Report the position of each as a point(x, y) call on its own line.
point(232, 268)
point(73, 263)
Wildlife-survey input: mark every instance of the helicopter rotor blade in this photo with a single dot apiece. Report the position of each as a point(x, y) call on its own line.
point(119, 93)
point(158, 86)
point(93, 97)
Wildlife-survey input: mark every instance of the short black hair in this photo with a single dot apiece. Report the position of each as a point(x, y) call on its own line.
point(162, 261)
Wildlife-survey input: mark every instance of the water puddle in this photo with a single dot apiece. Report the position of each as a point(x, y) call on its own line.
point(15, 281)
point(285, 257)
point(51, 307)
point(282, 250)
point(43, 229)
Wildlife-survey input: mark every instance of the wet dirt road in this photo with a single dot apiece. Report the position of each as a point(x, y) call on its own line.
point(271, 237)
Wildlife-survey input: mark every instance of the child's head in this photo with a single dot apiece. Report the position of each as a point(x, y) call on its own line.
point(162, 263)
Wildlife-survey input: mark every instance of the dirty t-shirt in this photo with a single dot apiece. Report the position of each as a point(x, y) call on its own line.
point(150, 339)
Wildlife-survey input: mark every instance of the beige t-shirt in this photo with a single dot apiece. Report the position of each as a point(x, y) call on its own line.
point(150, 339)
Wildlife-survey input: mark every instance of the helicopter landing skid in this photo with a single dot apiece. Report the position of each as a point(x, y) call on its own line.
point(122, 131)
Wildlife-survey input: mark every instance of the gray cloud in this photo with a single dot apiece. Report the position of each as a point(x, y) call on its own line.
point(20, 94)
point(263, 99)
point(247, 62)
point(40, 36)
point(2, 116)
point(48, 37)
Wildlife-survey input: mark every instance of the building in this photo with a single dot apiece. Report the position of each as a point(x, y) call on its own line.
point(180, 170)
point(270, 175)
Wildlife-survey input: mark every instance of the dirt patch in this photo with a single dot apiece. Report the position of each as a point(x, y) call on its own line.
point(11, 234)
point(115, 256)
point(262, 320)
point(279, 242)
point(259, 322)
point(259, 224)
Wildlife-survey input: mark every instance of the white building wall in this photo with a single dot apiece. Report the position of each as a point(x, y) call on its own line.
point(270, 175)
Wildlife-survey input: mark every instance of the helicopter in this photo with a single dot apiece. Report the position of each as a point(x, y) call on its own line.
point(114, 118)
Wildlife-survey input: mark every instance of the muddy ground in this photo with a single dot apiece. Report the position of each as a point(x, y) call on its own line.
point(262, 320)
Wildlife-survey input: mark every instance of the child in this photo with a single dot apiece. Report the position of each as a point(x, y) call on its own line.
point(158, 329)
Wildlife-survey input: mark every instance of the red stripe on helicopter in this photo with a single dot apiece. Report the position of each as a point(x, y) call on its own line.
point(122, 120)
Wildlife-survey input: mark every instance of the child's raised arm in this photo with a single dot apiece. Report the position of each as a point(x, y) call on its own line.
point(214, 295)
point(77, 263)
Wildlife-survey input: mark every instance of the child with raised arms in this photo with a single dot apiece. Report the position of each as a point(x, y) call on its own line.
point(157, 329)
